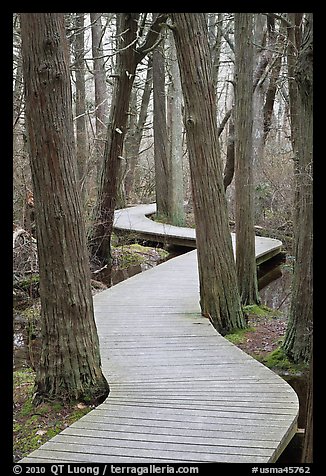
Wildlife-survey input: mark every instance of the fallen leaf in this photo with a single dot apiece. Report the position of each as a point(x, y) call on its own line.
point(81, 406)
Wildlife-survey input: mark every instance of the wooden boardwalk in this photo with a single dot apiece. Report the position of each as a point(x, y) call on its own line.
point(180, 392)
point(133, 222)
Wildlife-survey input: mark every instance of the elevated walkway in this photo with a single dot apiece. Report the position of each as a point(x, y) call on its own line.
point(180, 392)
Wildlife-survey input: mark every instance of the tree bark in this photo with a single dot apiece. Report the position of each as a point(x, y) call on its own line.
point(126, 66)
point(81, 138)
point(161, 161)
point(101, 102)
point(308, 445)
point(175, 128)
point(294, 40)
point(244, 209)
point(261, 59)
point(219, 297)
point(136, 128)
point(229, 164)
point(298, 337)
point(129, 55)
point(70, 364)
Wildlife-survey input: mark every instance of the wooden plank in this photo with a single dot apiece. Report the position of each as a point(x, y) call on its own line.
point(258, 429)
point(88, 444)
point(203, 436)
point(164, 450)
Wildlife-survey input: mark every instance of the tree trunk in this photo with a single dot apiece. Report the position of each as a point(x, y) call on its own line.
point(160, 134)
point(126, 67)
point(219, 297)
point(175, 127)
point(308, 446)
point(294, 40)
point(276, 42)
point(229, 164)
point(135, 132)
point(81, 138)
point(215, 40)
point(101, 102)
point(298, 337)
point(244, 209)
point(70, 365)
point(128, 58)
point(18, 92)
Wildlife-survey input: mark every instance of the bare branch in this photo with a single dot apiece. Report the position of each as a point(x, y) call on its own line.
point(152, 36)
point(224, 121)
point(279, 17)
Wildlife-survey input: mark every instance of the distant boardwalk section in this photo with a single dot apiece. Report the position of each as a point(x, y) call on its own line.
point(180, 392)
point(134, 221)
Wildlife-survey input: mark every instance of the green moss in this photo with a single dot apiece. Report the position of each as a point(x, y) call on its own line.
point(23, 377)
point(258, 310)
point(27, 408)
point(34, 425)
point(238, 336)
point(278, 361)
point(136, 254)
point(28, 282)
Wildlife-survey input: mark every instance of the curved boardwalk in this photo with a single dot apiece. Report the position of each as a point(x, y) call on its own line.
point(179, 391)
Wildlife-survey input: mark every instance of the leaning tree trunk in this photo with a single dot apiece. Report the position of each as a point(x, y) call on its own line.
point(244, 196)
point(129, 55)
point(70, 365)
point(219, 297)
point(298, 335)
point(126, 67)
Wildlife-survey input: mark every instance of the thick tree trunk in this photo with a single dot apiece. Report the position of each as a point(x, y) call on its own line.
point(244, 209)
point(70, 365)
point(175, 127)
point(298, 335)
point(160, 134)
point(219, 297)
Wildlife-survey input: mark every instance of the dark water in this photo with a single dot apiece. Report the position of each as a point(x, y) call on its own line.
point(275, 279)
point(274, 282)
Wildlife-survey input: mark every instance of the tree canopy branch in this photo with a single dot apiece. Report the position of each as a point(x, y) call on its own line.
point(151, 39)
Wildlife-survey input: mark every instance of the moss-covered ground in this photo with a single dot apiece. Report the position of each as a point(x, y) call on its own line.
point(34, 425)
